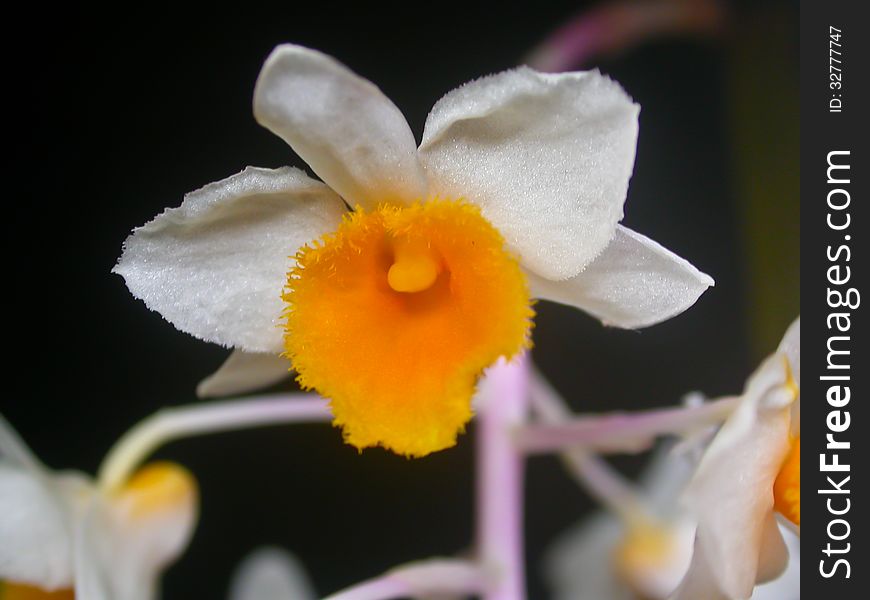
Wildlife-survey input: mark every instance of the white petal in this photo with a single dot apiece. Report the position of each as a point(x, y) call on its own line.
point(665, 478)
point(146, 529)
point(773, 555)
point(36, 529)
point(215, 267)
point(270, 574)
point(342, 125)
point(791, 346)
point(731, 494)
point(546, 157)
point(580, 564)
point(244, 372)
point(788, 584)
point(92, 548)
point(700, 581)
point(13, 451)
point(634, 283)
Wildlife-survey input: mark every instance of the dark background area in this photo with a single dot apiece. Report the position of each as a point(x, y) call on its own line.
point(120, 115)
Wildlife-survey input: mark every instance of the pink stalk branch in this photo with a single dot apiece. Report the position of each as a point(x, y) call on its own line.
point(503, 407)
point(601, 481)
point(613, 27)
point(435, 577)
point(621, 432)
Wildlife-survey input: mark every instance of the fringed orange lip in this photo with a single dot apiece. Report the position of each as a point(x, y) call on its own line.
point(395, 315)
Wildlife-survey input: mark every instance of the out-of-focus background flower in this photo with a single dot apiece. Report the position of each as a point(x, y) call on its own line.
point(121, 114)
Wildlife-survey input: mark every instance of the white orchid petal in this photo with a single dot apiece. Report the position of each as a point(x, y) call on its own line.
point(546, 157)
point(244, 372)
point(580, 565)
point(215, 267)
point(700, 581)
point(773, 554)
point(13, 451)
point(153, 525)
point(92, 547)
point(342, 125)
point(634, 283)
point(664, 479)
point(791, 346)
point(271, 574)
point(732, 511)
point(35, 529)
point(788, 584)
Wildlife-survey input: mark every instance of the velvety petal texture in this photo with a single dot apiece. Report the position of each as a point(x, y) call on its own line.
point(342, 125)
point(633, 283)
point(215, 267)
point(735, 515)
point(546, 157)
point(244, 372)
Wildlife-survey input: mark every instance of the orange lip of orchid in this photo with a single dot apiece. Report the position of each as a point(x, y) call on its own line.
point(19, 591)
point(787, 487)
point(395, 315)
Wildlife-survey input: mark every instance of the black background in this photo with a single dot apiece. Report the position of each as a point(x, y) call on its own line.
point(117, 115)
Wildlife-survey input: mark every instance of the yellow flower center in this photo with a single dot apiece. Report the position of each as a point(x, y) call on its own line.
point(787, 487)
point(19, 591)
point(394, 316)
point(155, 488)
point(649, 559)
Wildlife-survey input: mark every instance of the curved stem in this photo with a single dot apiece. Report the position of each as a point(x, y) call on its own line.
point(622, 432)
point(186, 421)
point(436, 578)
point(601, 481)
point(504, 403)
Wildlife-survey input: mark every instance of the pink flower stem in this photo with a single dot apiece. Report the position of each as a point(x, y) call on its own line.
point(621, 432)
point(504, 405)
point(602, 482)
point(434, 577)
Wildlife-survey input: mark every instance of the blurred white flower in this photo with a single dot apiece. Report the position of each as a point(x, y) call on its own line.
point(750, 471)
point(517, 188)
point(611, 557)
point(271, 574)
point(61, 533)
point(643, 553)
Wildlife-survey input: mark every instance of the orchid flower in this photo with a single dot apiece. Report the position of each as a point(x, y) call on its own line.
point(64, 537)
point(69, 535)
point(393, 283)
point(622, 554)
point(643, 554)
point(748, 475)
